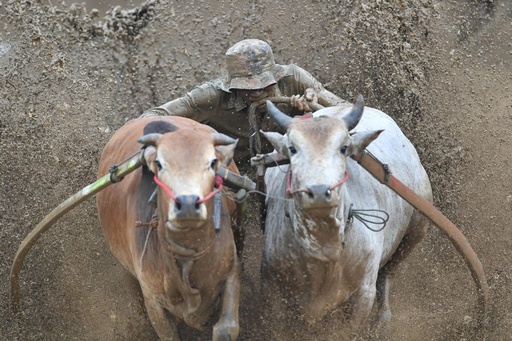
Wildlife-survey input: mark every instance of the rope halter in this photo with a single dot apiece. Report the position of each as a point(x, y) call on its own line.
point(289, 192)
point(218, 183)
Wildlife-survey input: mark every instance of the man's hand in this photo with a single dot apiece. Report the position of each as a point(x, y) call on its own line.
point(299, 102)
point(311, 95)
point(154, 112)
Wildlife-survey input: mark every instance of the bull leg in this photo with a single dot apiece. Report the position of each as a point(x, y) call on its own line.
point(238, 227)
point(361, 306)
point(227, 328)
point(165, 327)
point(383, 317)
point(418, 228)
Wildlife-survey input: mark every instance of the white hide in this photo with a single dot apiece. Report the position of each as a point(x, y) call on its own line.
point(285, 251)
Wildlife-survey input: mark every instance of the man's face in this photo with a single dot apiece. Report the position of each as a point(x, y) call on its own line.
point(254, 95)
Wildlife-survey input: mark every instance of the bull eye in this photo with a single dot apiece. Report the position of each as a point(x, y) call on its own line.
point(158, 164)
point(214, 162)
point(292, 150)
point(344, 150)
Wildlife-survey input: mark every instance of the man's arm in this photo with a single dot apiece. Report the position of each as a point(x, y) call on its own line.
point(197, 104)
point(313, 90)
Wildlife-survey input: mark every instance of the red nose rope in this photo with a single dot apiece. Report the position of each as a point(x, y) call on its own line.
point(289, 192)
point(218, 183)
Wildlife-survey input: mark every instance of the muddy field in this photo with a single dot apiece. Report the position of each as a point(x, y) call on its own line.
point(71, 75)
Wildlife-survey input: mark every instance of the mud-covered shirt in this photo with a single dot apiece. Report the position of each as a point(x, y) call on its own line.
point(227, 112)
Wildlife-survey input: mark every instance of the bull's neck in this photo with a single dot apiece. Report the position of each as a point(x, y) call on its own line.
point(187, 244)
point(321, 237)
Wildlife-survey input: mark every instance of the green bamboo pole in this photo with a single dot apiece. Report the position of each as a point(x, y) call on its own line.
point(117, 174)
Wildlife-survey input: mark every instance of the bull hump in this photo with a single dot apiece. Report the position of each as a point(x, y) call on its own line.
point(159, 127)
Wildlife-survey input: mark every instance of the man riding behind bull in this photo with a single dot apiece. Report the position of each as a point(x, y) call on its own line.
point(224, 103)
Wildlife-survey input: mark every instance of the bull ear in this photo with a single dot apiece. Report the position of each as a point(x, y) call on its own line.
point(277, 140)
point(361, 140)
point(149, 158)
point(352, 118)
point(224, 147)
point(149, 139)
point(280, 118)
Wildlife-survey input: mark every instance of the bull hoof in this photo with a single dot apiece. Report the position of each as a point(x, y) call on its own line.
point(225, 333)
point(224, 337)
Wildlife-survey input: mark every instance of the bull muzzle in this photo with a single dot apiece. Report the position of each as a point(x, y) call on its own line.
point(319, 197)
point(187, 207)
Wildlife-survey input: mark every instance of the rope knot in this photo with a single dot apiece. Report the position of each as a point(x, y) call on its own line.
point(153, 224)
point(218, 181)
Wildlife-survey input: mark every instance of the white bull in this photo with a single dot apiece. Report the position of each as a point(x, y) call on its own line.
point(316, 255)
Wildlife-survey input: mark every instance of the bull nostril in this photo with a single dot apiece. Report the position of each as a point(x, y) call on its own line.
point(187, 205)
point(319, 192)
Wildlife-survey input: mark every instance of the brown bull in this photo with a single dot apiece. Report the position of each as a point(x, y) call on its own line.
point(182, 262)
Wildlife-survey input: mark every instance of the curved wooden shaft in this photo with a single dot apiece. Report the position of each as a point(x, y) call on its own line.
point(379, 172)
point(116, 175)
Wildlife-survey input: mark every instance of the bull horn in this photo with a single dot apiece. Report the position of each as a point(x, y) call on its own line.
point(352, 118)
point(225, 146)
point(149, 139)
point(282, 120)
point(221, 139)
